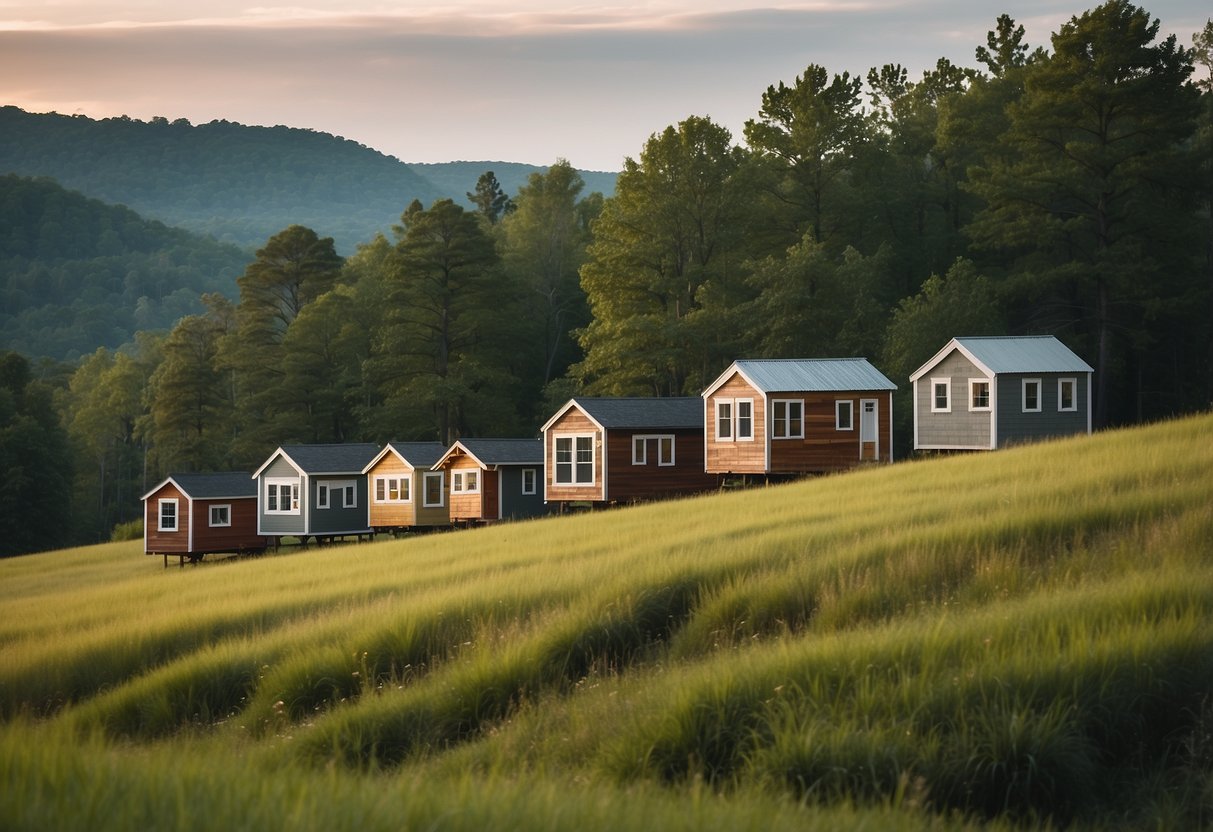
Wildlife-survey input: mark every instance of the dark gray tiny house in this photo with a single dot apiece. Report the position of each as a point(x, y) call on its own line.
point(987, 393)
point(314, 491)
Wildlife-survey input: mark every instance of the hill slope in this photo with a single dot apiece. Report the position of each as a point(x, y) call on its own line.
point(77, 274)
point(1018, 637)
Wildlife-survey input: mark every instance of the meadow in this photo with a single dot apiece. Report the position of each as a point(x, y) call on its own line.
point(1007, 640)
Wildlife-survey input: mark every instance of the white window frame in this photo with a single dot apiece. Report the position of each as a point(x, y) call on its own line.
point(947, 385)
point(291, 485)
point(429, 476)
point(640, 449)
point(1073, 382)
point(850, 409)
point(662, 460)
point(322, 495)
point(160, 506)
point(787, 418)
point(749, 437)
point(403, 487)
point(1027, 382)
point(460, 481)
point(347, 488)
point(530, 481)
point(573, 463)
point(973, 383)
point(227, 515)
point(724, 420)
point(665, 442)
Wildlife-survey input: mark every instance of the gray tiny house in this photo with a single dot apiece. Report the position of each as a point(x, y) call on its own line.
point(986, 393)
point(314, 491)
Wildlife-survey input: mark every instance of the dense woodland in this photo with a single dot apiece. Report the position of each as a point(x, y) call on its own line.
point(1061, 188)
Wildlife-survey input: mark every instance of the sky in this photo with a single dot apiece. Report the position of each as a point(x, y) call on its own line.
point(519, 80)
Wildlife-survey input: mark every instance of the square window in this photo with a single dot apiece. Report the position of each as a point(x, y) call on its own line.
point(221, 515)
point(787, 420)
point(979, 394)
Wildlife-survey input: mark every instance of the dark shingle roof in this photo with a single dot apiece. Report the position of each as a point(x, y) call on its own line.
point(420, 454)
point(332, 459)
point(680, 412)
point(506, 451)
point(222, 484)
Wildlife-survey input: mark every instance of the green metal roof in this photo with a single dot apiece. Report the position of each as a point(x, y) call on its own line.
point(1025, 354)
point(813, 375)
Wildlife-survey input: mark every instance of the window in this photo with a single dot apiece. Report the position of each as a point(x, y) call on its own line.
point(221, 515)
point(574, 463)
point(168, 515)
point(322, 495)
point(281, 496)
point(745, 420)
point(844, 415)
point(530, 481)
point(941, 395)
point(465, 482)
point(979, 394)
point(724, 419)
point(787, 418)
point(665, 448)
point(392, 489)
point(1031, 395)
point(434, 485)
point(329, 493)
point(1067, 394)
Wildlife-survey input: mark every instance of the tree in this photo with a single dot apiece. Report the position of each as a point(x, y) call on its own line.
point(1090, 195)
point(674, 233)
point(490, 200)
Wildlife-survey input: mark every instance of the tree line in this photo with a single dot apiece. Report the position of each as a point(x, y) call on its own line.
point(1064, 190)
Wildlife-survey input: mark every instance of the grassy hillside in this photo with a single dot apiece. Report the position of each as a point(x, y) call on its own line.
point(1016, 638)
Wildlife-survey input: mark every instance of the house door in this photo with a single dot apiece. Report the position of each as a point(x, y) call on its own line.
point(869, 435)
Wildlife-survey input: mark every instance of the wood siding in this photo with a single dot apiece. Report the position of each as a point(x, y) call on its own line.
point(158, 542)
point(403, 515)
point(627, 482)
point(732, 456)
point(572, 422)
point(825, 448)
point(481, 505)
point(240, 536)
point(961, 428)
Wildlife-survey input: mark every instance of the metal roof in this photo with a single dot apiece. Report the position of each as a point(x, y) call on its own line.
point(1025, 354)
point(332, 459)
point(505, 451)
point(812, 375)
point(206, 486)
point(625, 413)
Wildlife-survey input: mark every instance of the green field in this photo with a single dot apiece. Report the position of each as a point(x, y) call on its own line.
point(1022, 638)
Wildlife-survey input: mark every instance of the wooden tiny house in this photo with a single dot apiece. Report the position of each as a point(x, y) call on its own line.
point(315, 491)
point(189, 516)
point(986, 393)
point(494, 479)
point(769, 417)
point(614, 450)
point(404, 492)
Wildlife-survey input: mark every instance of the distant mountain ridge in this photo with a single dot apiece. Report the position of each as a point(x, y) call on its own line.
point(238, 183)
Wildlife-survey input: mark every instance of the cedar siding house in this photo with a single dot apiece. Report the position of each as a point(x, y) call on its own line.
point(404, 492)
point(770, 417)
point(494, 479)
point(314, 491)
point(616, 450)
point(192, 515)
point(986, 393)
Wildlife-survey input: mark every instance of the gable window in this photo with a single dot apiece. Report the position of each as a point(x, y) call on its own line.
point(433, 486)
point(664, 444)
point(1031, 395)
point(745, 420)
point(724, 420)
point(979, 394)
point(392, 489)
point(574, 460)
point(168, 515)
point(1067, 394)
point(281, 496)
point(465, 482)
point(844, 415)
point(220, 515)
point(530, 481)
point(941, 395)
point(787, 418)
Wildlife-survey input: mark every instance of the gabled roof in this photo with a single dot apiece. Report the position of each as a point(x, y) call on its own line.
point(1012, 354)
point(413, 454)
point(491, 452)
point(637, 413)
point(325, 459)
point(233, 485)
point(808, 375)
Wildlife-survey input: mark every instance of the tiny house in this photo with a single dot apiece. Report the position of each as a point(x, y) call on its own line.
point(986, 393)
point(494, 479)
point(404, 492)
point(618, 450)
point(316, 491)
point(770, 417)
point(189, 516)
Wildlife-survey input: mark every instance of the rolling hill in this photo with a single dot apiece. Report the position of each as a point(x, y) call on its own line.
point(1006, 639)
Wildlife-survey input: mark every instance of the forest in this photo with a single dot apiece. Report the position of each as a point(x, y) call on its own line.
point(1057, 189)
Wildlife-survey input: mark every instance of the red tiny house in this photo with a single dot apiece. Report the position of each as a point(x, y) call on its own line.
point(189, 516)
